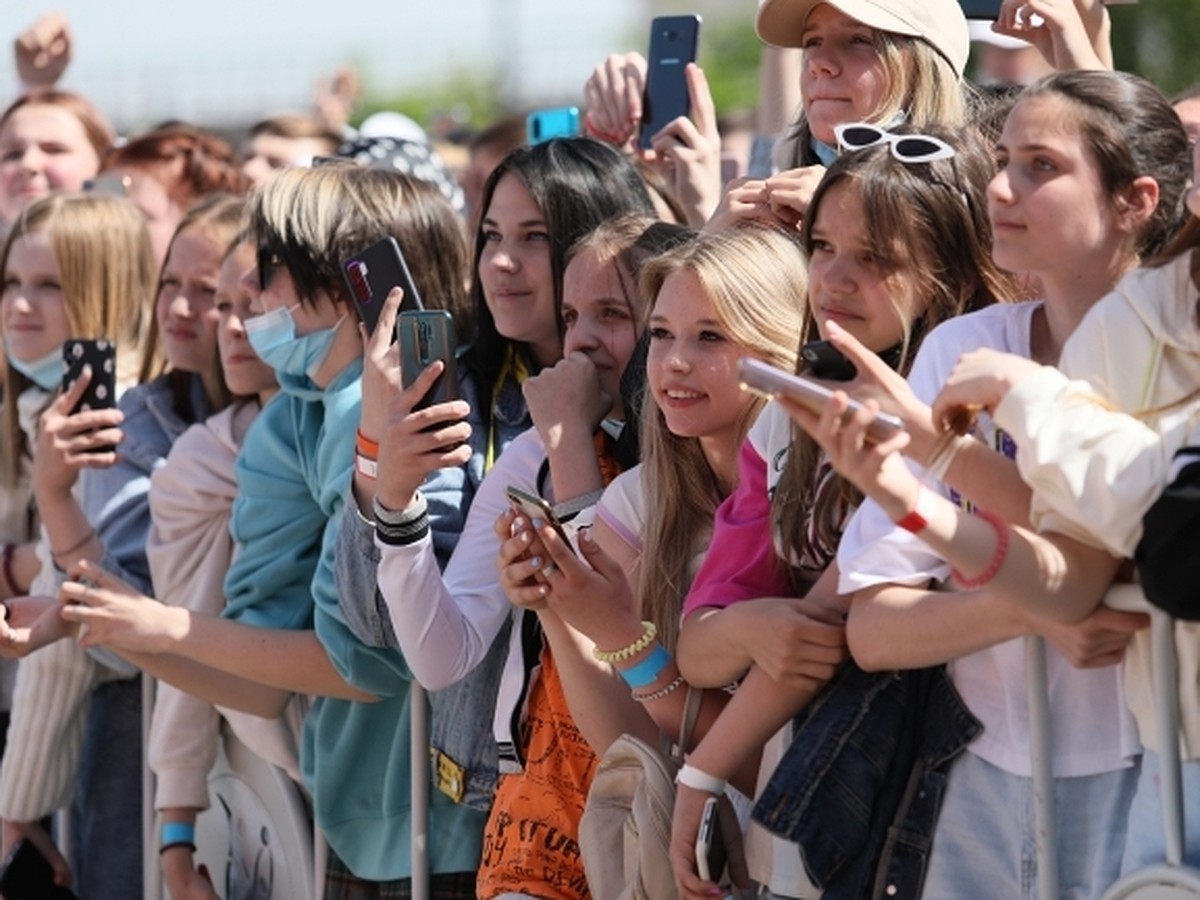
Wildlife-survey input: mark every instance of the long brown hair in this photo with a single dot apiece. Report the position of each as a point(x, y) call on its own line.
point(928, 225)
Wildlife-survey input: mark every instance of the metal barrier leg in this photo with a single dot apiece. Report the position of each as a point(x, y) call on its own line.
point(1041, 746)
point(1166, 692)
point(420, 792)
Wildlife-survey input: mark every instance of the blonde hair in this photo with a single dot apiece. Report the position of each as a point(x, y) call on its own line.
point(107, 271)
point(754, 277)
point(922, 88)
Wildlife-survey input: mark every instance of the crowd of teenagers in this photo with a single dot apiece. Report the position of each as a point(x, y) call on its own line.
point(825, 621)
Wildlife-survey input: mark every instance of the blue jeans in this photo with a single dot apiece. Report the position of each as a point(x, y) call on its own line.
point(106, 816)
point(985, 844)
point(1145, 846)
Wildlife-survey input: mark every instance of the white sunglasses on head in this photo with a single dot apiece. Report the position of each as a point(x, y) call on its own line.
point(908, 148)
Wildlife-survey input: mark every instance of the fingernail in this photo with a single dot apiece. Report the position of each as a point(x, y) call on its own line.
point(585, 535)
point(526, 537)
point(535, 562)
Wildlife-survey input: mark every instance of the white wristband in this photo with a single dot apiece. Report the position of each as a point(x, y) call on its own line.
point(690, 776)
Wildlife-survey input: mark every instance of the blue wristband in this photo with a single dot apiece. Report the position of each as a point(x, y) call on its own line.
point(177, 833)
point(647, 671)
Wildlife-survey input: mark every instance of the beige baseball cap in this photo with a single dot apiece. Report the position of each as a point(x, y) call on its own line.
point(940, 23)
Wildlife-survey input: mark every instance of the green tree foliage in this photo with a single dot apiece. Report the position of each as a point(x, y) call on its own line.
point(1157, 39)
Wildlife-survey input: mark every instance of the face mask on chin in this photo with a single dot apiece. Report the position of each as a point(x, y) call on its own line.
point(46, 372)
point(273, 337)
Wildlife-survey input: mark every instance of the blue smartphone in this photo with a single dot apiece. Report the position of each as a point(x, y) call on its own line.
point(674, 41)
point(556, 122)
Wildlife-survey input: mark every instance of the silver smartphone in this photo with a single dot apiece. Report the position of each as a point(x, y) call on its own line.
point(755, 375)
point(705, 838)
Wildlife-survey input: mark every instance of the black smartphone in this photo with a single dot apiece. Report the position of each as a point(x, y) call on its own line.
point(370, 276)
point(28, 875)
point(827, 362)
point(674, 41)
point(558, 122)
point(426, 335)
point(990, 9)
point(101, 355)
point(980, 9)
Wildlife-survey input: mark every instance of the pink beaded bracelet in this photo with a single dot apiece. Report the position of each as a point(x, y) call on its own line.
point(1001, 529)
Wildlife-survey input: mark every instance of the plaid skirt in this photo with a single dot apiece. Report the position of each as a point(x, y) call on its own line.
point(342, 884)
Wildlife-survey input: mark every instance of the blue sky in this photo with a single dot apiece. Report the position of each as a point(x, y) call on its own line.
point(232, 61)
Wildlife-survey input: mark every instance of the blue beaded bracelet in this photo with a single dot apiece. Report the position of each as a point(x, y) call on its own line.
point(647, 671)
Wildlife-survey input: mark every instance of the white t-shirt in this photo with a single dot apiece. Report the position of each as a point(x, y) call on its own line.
point(1092, 731)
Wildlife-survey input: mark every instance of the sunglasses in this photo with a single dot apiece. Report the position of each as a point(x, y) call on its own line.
point(269, 262)
point(908, 148)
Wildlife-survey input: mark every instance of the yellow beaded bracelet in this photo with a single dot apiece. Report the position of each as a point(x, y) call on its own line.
point(649, 633)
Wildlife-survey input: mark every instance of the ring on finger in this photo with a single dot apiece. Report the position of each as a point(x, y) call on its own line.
point(548, 570)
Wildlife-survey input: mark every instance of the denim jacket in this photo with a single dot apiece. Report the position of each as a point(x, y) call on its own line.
point(464, 753)
point(861, 785)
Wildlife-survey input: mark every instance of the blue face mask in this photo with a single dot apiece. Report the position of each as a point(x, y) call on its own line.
point(273, 337)
point(46, 372)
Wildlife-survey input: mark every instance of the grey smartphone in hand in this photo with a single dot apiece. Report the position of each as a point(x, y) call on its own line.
point(424, 336)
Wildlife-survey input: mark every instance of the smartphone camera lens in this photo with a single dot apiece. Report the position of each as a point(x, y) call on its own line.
point(671, 34)
point(358, 281)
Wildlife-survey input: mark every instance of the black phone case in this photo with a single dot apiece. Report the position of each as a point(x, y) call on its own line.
point(980, 9)
point(673, 44)
point(28, 875)
point(101, 355)
point(371, 275)
point(424, 336)
point(827, 362)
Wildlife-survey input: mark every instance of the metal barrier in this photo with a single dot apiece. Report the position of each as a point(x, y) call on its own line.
point(1172, 880)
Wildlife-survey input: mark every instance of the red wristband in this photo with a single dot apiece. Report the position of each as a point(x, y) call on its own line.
point(917, 519)
point(366, 446)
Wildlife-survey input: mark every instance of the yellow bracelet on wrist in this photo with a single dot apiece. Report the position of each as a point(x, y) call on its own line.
point(649, 633)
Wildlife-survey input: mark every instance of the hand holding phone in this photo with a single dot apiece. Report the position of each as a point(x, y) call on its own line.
point(424, 336)
point(707, 841)
point(534, 507)
point(371, 275)
point(755, 375)
point(674, 41)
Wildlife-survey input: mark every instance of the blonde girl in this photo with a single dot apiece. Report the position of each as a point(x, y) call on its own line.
point(76, 717)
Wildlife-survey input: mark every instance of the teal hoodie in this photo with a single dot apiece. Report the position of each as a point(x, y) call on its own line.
point(356, 759)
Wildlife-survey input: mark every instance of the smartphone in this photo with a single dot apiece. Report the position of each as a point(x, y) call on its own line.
point(707, 843)
point(534, 507)
point(28, 875)
point(110, 184)
point(674, 41)
point(101, 355)
point(425, 335)
point(757, 376)
point(827, 362)
point(370, 276)
point(990, 9)
point(557, 122)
